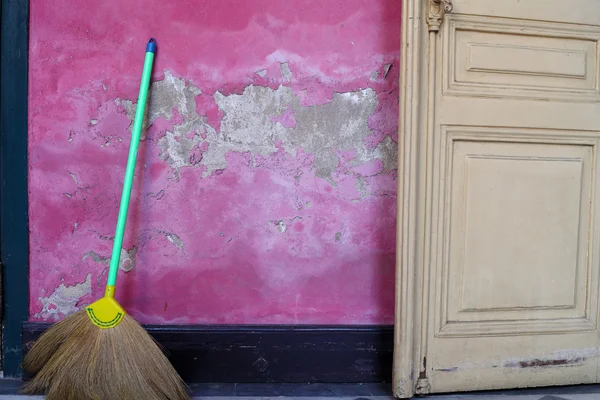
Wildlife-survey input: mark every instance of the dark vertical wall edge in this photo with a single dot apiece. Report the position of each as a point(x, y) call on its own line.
point(14, 230)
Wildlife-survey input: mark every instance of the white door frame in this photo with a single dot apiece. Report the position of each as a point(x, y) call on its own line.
point(421, 20)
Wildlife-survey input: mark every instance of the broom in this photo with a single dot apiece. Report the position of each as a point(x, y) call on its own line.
point(101, 353)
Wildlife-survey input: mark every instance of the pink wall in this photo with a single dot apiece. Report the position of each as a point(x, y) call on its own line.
point(266, 187)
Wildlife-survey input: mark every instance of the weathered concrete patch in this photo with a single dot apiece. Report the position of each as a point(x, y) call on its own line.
point(387, 151)
point(173, 238)
point(340, 124)
point(126, 261)
point(64, 299)
point(179, 149)
point(185, 144)
point(165, 95)
point(258, 119)
point(286, 72)
point(96, 258)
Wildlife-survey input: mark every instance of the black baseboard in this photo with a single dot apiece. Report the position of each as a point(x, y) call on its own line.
point(270, 353)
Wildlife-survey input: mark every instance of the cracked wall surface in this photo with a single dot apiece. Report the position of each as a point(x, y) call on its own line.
point(64, 299)
point(265, 190)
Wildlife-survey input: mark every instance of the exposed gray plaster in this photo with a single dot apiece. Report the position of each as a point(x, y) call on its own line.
point(387, 151)
point(281, 226)
point(249, 125)
point(96, 258)
point(340, 124)
point(165, 95)
point(173, 238)
point(64, 299)
point(361, 187)
point(286, 72)
point(178, 147)
point(386, 69)
point(126, 261)
point(74, 177)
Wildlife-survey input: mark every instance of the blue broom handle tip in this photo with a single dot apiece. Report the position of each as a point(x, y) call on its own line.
point(151, 46)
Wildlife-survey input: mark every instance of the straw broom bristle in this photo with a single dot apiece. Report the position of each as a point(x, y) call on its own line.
point(75, 360)
point(51, 340)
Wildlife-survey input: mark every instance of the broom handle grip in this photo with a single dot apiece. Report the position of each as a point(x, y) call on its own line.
point(129, 172)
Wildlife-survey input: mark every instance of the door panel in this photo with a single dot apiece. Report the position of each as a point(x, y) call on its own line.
point(512, 232)
point(583, 12)
point(545, 187)
point(486, 56)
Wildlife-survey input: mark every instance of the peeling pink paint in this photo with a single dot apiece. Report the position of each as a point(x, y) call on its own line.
point(286, 119)
point(264, 240)
point(371, 168)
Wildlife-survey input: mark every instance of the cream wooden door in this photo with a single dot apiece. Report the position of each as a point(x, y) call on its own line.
point(502, 180)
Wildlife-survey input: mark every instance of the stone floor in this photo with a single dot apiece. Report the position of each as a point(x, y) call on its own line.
point(455, 397)
point(9, 389)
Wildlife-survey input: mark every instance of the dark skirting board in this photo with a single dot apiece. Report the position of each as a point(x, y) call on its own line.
point(270, 353)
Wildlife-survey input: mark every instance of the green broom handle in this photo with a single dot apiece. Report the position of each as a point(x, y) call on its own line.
point(131, 160)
